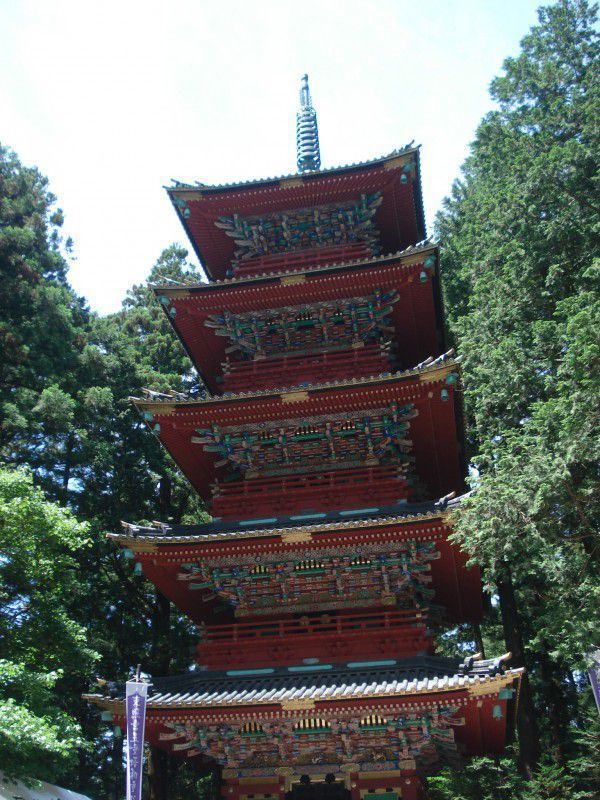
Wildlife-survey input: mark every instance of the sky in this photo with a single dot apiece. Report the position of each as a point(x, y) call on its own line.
point(111, 100)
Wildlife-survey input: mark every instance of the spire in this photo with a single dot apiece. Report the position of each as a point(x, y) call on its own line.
point(307, 133)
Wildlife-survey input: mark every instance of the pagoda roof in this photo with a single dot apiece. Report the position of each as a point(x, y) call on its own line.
point(222, 530)
point(408, 256)
point(416, 317)
point(400, 218)
point(418, 676)
point(435, 431)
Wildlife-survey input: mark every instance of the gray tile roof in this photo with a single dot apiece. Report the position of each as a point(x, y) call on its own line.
point(217, 529)
point(284, 684)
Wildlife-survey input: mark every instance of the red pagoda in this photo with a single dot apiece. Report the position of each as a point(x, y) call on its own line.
point(329, 452)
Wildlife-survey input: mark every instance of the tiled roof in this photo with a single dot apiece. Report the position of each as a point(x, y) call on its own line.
point(419, 675)
point(217, 529)
point(429, 366)
point(421, 247)
point(203, 187)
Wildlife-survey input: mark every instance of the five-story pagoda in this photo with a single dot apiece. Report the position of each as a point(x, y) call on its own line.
point(329, 452)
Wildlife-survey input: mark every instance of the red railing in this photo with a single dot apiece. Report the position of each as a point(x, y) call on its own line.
point(290, 370)
point(316, 491)
point(357, 636)
point(300, 259)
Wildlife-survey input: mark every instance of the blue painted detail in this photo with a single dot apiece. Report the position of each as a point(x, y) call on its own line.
point(172, 311)
point(430, 261)
point(444, 394)
point(452, 378)
point(106, 716)
point(128, 553)
point(358, 511)
point(316, 668)
point(137, 570)
point(309, 516)
point(164, 300)
point(186, 213)
point(156, 428)
point(117, 732)
point(408, 167)
point(403, 178)
point(497, 712)
point(244, 523)
point(263, 671)
point(423, 276)
point(506, 694)
point(148, 416)
point(360, 664)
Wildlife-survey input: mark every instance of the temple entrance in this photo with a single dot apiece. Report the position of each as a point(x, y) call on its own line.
point(329, 789)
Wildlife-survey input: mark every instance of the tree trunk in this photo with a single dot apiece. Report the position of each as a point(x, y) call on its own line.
point(480, 647)
point(529, 741)
point(158, 774)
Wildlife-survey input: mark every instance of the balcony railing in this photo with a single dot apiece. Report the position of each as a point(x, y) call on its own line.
point(344, 489)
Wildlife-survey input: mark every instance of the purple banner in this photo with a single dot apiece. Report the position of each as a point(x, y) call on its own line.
point(135, 710)
point(594, 673)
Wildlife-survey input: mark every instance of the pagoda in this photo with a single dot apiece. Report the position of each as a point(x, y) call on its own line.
point(329, 450)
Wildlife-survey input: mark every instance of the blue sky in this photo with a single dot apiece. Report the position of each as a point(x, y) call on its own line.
point(113, 99)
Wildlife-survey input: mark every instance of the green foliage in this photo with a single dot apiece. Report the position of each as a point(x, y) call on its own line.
point(520, 273)
point(39, 638)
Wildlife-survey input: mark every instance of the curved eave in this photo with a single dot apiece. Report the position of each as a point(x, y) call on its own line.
point(430, 372)
point(400, 219)
point(275, 181)
point(321, 697)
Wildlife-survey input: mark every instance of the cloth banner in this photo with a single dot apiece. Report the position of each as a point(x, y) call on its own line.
point(135, 711)
point(594, 673)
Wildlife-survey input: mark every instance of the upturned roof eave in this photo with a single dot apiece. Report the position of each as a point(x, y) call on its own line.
point(274, 181)
point(160, 535)
point(473, 685)
point(428, 371)
point(273, 277)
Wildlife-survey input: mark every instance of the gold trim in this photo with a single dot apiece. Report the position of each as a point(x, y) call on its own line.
point(297, 705)
point(291, 280)
point(291, 183)
point(294, 397)
point(398, 161)
point(296, 537)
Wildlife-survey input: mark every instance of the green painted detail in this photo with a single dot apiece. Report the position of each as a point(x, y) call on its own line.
point(128, 554)
point(148, 416)
point(163, 300)
point(156, 428)
point(137, 570)
point(360, 664)
point(311, 571)
point(247, 522)
point(374, 728)
point(383, 796)
point(444, 395)
point(452, 378)
point(308, 516)
point(403, 178)
point(358, 511)
point(497, 712)
point(172, 311)
point(106, 716)
point(506, 694)
point(430, 261)
point(311, 668)
point(200, 585)
point(263, 671)
point(423, 276)
point(117, 732)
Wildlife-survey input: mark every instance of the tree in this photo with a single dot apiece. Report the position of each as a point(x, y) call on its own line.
point(520, 274)
point(40, 641)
